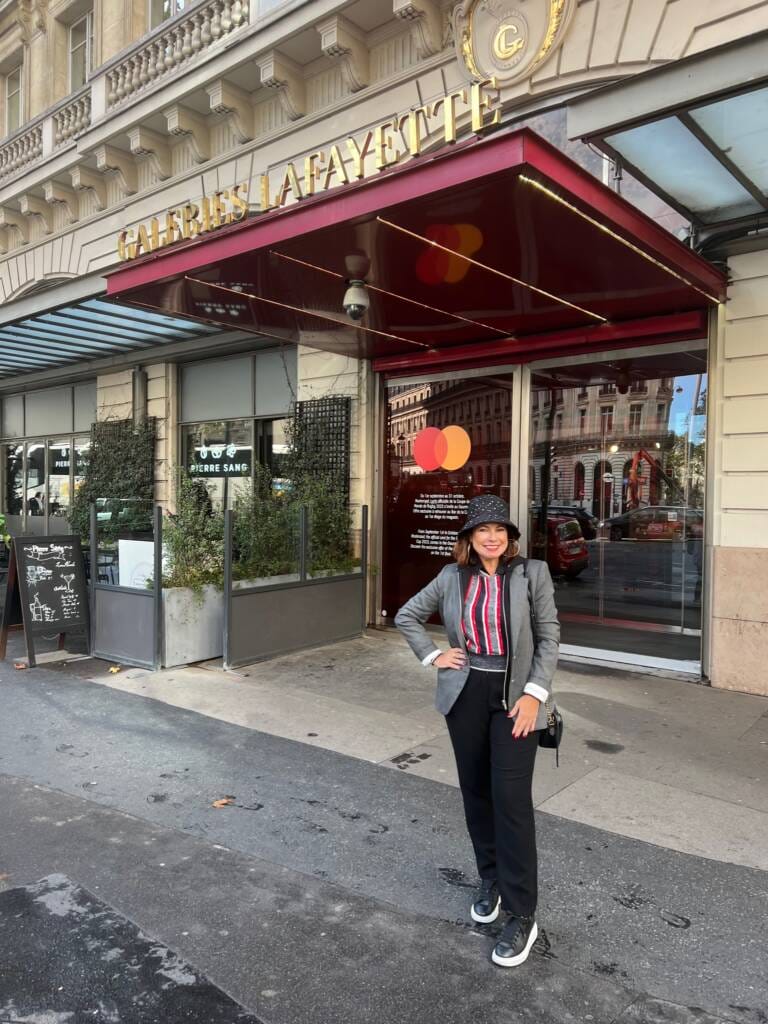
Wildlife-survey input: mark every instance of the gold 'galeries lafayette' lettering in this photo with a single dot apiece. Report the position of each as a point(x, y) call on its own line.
point(387, 143)
point(188, 221)
point(341, 163)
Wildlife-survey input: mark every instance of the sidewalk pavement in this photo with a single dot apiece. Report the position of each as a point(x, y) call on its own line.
point(670, 762)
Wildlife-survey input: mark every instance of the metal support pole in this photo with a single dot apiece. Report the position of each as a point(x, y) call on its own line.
point(158, 589)
point(227, 584)
point(94, 573)
point(364, 565)
point(303, 543)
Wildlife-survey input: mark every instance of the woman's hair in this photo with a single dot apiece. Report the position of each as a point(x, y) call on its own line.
point(465, 554)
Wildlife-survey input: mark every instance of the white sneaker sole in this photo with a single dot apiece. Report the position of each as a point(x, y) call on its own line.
point(490, 918)
point(515, 961)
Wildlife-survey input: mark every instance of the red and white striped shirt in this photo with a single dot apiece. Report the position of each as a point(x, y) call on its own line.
point(483, 620)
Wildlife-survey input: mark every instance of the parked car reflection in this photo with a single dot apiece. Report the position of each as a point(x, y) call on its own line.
point(655, 522)
point(563, 548)
point(583, 517)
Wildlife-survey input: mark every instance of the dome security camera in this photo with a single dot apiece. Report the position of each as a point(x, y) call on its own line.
point(356, 301)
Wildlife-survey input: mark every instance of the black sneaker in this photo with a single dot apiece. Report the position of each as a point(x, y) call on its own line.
point(517, 938)
point(485, 909)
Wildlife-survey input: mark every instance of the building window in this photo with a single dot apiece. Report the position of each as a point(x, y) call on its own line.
point(80, 51)
point(578, 481)
point(635, 415)
point(661, 413)
point(162, 10)
point(40, 477)
point(606, 419)
point(582, 421)
point(13, 105)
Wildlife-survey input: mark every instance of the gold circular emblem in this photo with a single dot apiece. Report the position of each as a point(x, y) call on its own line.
point(507, 42)
point(509, 39)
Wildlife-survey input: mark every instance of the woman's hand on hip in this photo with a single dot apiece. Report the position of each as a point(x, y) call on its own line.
point(454, 657)
point(524, 712)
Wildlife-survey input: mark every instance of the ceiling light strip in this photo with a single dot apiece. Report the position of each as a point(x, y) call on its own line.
point(396, 295)
point(613, 234)
point(305, 312)
point(493, 270)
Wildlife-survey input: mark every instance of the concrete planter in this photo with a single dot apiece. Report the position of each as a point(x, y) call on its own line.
point(193, 629)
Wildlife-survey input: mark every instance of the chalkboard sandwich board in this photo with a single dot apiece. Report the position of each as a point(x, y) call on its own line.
point(46, 577)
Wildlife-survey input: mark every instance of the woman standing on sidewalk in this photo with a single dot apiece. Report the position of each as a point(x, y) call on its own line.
point(491, 686)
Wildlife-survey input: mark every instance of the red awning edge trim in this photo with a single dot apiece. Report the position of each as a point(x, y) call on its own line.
point(449, 167)
point(650, 331)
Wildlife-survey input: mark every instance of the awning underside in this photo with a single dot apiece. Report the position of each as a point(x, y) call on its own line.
point(504, 239)
point(88, 330)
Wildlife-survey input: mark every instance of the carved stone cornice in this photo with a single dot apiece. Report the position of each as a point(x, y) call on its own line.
point(344, 43)
point(425, 20)
point(153, 148)
point(12, 219)
point(281, 74)
point(184, 124)
point(66, 196)
point(86, 180)
point(121, 165)
point(235, 106)
point(37, 208)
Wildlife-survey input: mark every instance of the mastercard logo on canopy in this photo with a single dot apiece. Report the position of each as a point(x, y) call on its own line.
point(448, 448)
point(435, 265)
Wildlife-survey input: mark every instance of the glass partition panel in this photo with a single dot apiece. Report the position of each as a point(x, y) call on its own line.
point(125, 543)
point(266, 542)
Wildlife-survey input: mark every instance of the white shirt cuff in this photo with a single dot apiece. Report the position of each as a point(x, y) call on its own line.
point(426, 662)
point(536, 691)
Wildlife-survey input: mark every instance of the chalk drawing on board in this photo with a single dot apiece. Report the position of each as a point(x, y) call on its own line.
point(35, 573)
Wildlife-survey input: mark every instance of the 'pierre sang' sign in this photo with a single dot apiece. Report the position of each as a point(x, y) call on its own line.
point(220, 460)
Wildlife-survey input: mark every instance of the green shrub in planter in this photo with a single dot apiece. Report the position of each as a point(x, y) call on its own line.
point(193, 539)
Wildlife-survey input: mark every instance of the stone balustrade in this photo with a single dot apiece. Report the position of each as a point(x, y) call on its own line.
point(72, 119)
point(174, 46)
point(21, 151)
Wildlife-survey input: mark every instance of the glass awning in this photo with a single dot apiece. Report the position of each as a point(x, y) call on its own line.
point(86, 331)
point(710, 160)
point(694, 130)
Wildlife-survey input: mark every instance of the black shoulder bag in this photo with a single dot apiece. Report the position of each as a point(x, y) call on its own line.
point(551, 735)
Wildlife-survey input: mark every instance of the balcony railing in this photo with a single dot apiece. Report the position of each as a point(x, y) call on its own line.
point(73, 118)
point(21, 151)
point(173, 46)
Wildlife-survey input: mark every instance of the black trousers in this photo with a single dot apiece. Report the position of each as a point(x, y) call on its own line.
point(495, 775)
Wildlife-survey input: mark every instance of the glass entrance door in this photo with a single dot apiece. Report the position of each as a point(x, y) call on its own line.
point(616, 499)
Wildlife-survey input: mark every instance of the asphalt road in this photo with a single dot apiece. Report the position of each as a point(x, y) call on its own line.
point(331, 889)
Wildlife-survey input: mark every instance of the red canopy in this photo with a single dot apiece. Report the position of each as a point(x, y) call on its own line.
point(493, 245)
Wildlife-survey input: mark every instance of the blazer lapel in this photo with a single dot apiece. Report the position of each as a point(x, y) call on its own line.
point(517, 594)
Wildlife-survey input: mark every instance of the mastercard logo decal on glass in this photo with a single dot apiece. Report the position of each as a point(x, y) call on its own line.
point(448, 448)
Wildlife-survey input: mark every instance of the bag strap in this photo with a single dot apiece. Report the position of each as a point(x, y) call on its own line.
point(548, 703)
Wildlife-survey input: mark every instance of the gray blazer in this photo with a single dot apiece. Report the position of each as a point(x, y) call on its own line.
point(534, 660)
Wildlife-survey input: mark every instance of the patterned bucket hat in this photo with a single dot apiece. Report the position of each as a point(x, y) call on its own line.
point(486, 508)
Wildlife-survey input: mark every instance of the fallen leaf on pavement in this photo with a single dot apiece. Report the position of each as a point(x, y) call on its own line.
point(115, 668)
point(223, 802)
